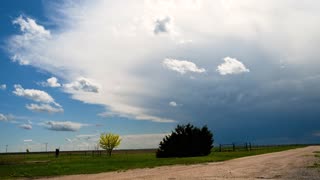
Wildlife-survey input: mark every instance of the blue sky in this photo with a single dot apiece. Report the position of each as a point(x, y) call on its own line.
point(70, 70)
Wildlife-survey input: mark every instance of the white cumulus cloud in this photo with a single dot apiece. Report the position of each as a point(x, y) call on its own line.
point(83, 84)
point(44, 108)
point(173, 104)
point(51, 82)
point(34, 94)
point(26, 126)
point(63, 125)
point(232, 66)
point(182, 66)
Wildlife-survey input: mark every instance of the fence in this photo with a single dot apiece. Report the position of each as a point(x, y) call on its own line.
point(235, 147)
point(85, 152)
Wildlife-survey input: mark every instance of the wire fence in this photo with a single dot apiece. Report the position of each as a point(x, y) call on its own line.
point(247, 146)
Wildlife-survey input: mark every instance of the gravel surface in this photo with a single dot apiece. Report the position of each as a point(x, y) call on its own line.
point(291, 164)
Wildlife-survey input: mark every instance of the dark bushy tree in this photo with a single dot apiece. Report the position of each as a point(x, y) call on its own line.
point(185, 141)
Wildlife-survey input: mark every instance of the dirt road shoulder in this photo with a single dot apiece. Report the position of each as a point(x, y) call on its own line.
point(291, 164)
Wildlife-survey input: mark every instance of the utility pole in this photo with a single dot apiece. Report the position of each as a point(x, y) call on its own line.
point(46, 148)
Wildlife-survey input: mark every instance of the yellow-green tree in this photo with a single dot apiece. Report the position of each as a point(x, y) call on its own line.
point(109, 141)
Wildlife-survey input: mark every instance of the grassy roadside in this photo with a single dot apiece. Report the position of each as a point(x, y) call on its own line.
point(317, 164)
point(40, 165)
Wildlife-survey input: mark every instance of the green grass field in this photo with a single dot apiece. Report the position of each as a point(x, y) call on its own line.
point(39, 165)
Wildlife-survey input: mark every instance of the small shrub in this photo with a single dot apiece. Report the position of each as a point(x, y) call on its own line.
point(185, 141)
point(109, 141)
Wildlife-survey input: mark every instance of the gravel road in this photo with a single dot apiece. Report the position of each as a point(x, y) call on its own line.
point(291, 164)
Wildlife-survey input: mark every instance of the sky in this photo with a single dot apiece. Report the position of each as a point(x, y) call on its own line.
point(71, 70)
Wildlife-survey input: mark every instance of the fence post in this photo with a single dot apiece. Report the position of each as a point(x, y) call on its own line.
point(233, 147)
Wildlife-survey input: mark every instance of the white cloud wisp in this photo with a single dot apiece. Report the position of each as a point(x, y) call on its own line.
point(182, 66)
point(3, 117)
point(44, 108)
point(63, 125)
point(3, 86)
point(26, 126)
